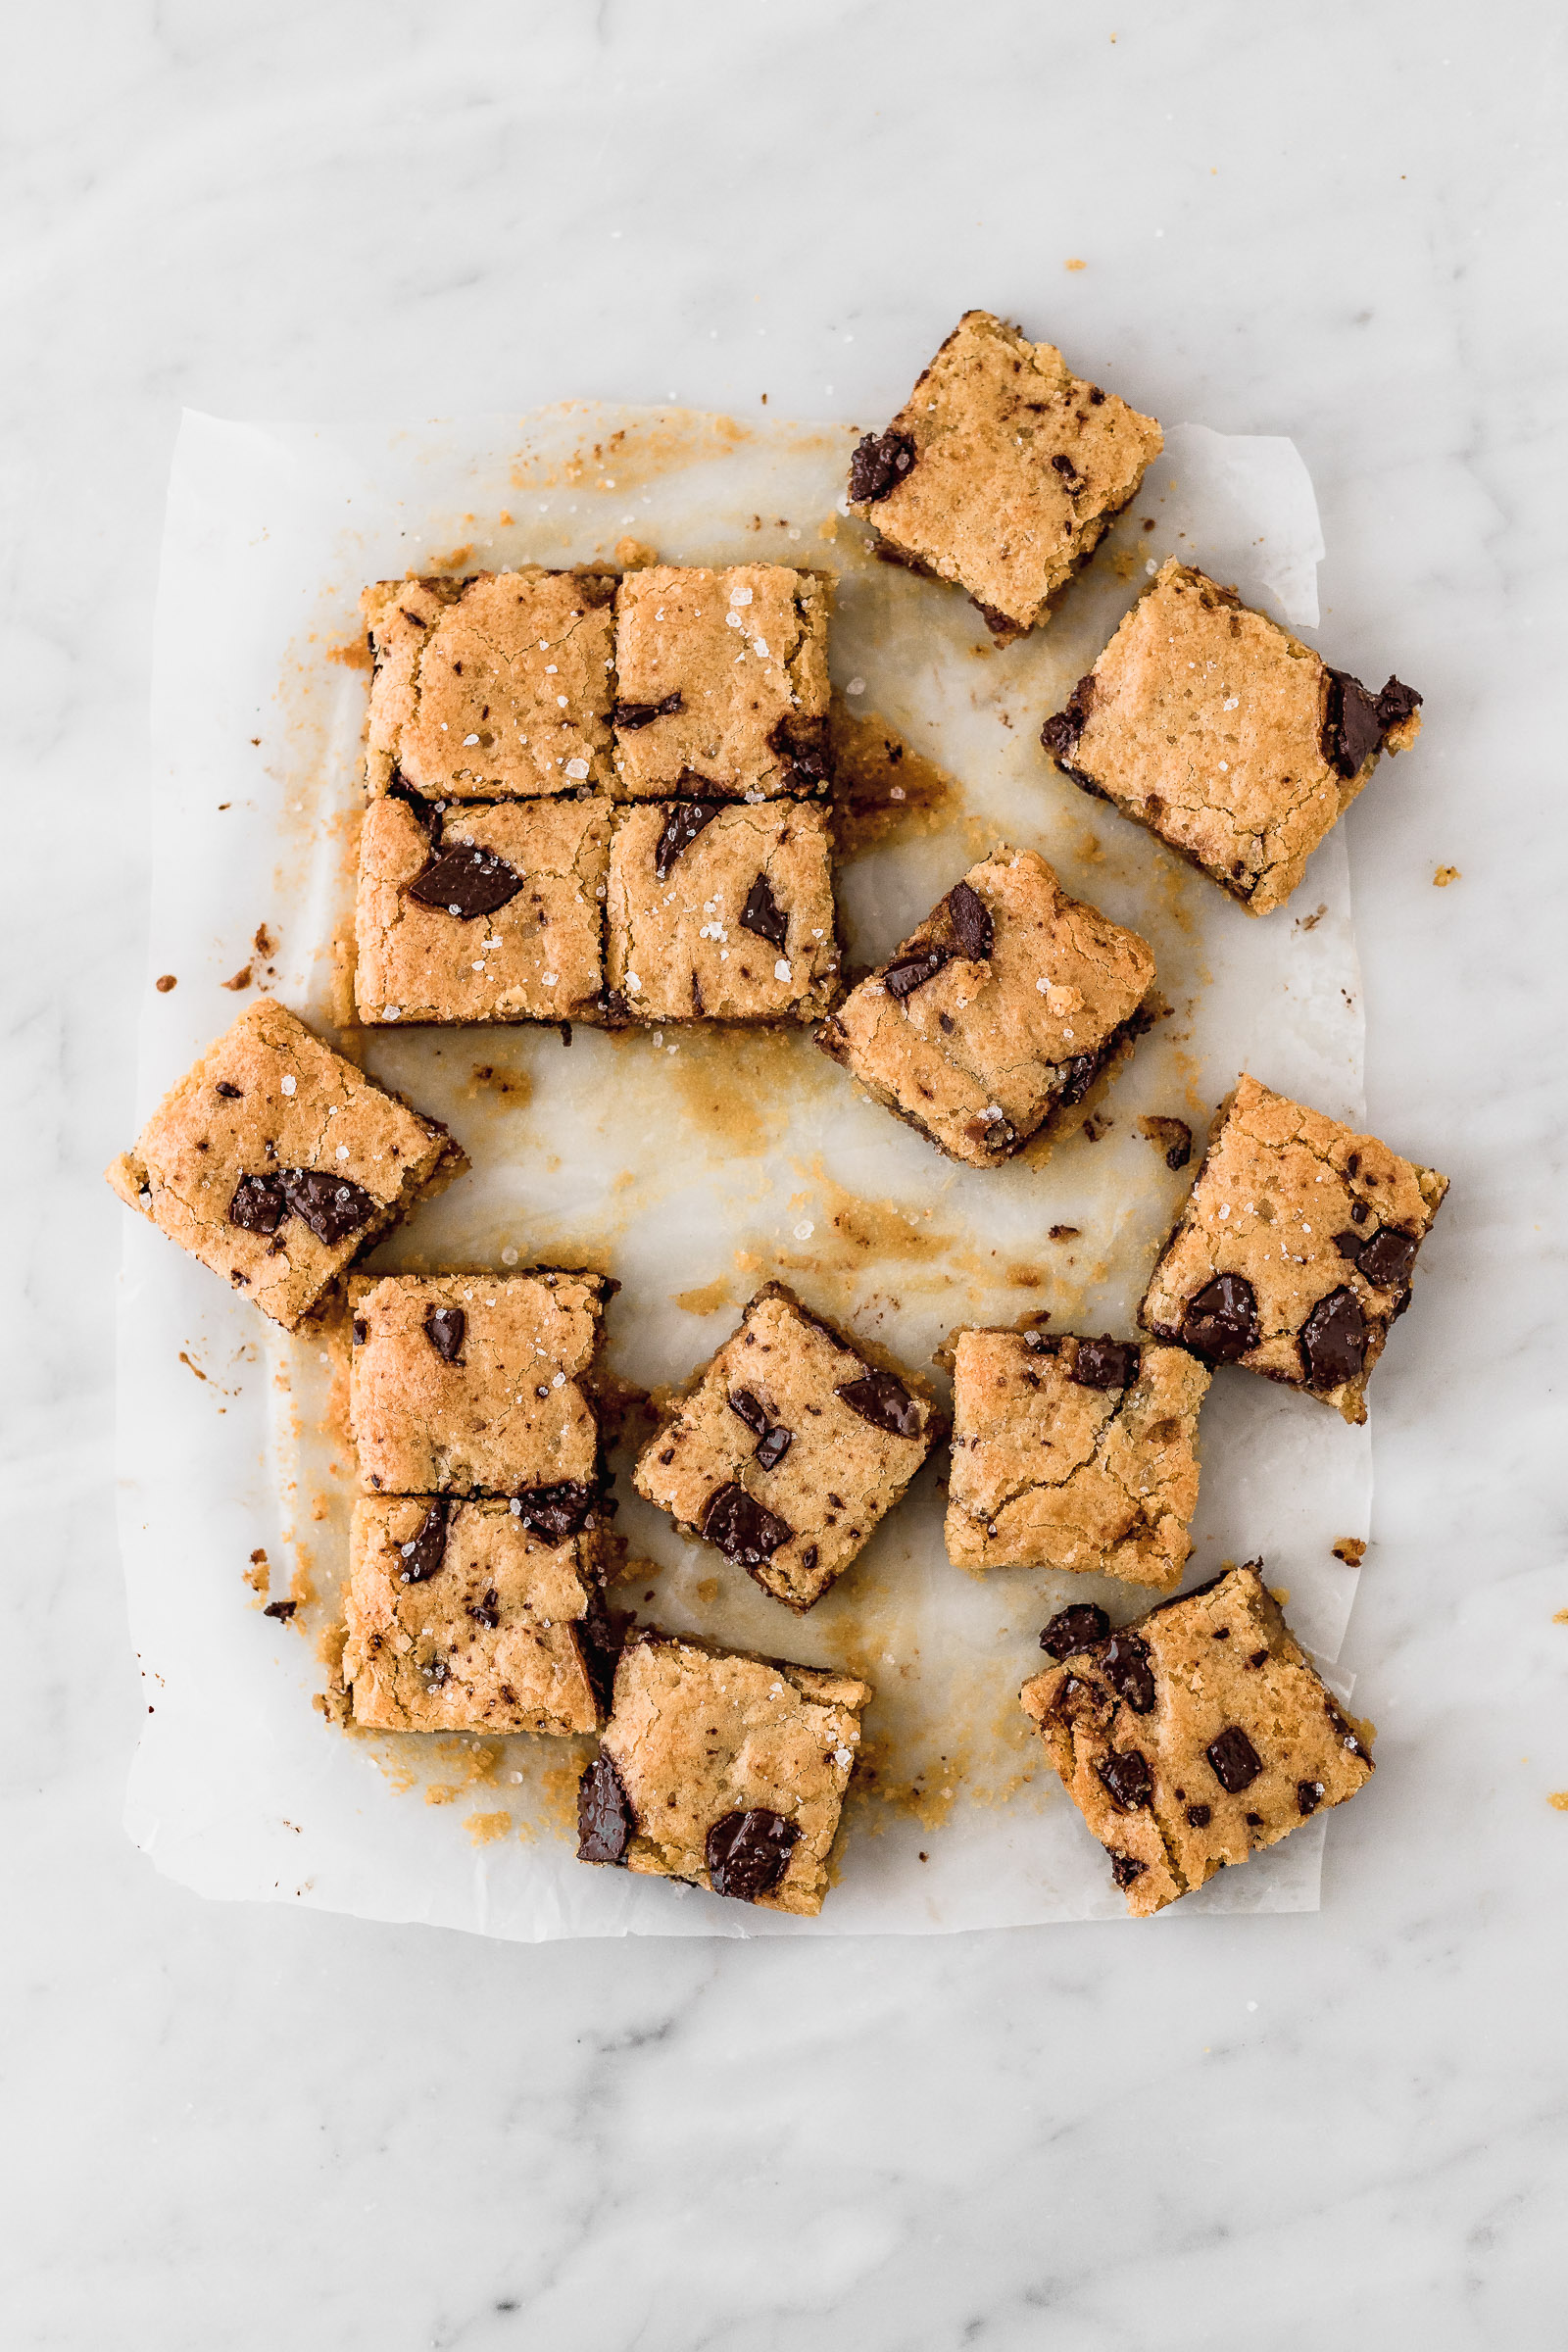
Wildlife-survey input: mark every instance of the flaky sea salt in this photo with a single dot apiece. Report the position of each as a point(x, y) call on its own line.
point(781, 969)
point(290, 1085)
point(576, 769)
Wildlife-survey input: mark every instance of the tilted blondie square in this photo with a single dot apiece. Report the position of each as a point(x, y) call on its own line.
point(1003, 472)
point(275, 1163)
point(1225, 736)
point(495, 686)
point(1194, 1737)
point(724, 1770)
point(723, 913)
point(460, 1619)
point(477, 1384)
point(788, 1450)
point(999, 1014)
point(1073, 1452)
point(1293, 1253)
point(488, 913)
point(722, 682)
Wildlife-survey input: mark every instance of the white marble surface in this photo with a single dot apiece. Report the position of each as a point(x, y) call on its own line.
point(245, 2125)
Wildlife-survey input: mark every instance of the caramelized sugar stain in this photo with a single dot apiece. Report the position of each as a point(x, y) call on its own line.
point(882, 790)
point(630, 455)
point(508, 1083)
point(742, 1085)
point(708, 1300)
point(356, 654)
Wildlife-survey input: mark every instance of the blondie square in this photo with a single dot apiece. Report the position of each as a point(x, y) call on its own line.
point(495, 686)
point(723, 1770)
point(1293, 1253)
point(722, 682)
point(723, 913)
point(476, 1384)
point(998, 1014)
point(460, 1618)
point(1073, 1453)
point(490, 912)
point(1195, 1736)
point(1003, 472)
point(788, 1450)
point(277, 1162)
point(1225, 736)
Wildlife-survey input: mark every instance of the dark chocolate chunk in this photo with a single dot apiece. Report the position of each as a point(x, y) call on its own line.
point(1062, 731)
point(330, 1205)
point(1334, 1340)
point(1105, 1364)
point(750, 1409)
point(362, 1331)
point(230, 1094)
point(1200, 1815)
point(258, 1205)
point(763, 915)
point(682, 824)
point(1074, 1628)
point(486, 1612)
point(774, 1444)
point(444, 1327)
point(1308, 1796)
point(1126, 1776)
point(906, 973)
point(1174, 1137)
point(801, 746)
point(424, 1555)
point(467, 881)
point(604, 1821)
point(972, 926)
point(1123, 1869)
point(1386, 1259)
point(1350, 1244)
point(747, 1853)
point(1125, 1664)
point(881, 461)
point(1254, 1821)
point(1236, 1761)
point(1351, 728)
point(883, 1399)
point(743, 1531)
point(1395, 704)
point(1067, 470)
point(282, 1610)
point(601, 1636)
point(628, 717)
point(557, 1512)
point(1220, 1321)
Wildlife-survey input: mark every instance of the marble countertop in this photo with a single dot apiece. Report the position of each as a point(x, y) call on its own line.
point(237, 2125)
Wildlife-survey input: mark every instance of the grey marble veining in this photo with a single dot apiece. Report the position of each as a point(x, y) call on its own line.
point(237, 2126)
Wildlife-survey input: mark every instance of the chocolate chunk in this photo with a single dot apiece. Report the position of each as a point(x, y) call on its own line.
point(763, 915)
point(1334, 1340)
point(1078, 1075)
point(1062, 731)
point(1220, 1321)
point(423, 1556)
point(743, 1531)
point(604, 1821)
point(881, 461)
point(750, 1409)
point(444, 1327)
point(628, 717)
point(906, 973)
point(1254, 1821)
point(801, 746)
point(1236, 1761)
point(1174, 1137)
point(330, 1205)
point(1200, 1815)
point(1074, 1628)
point(1351, 728)
point(1395, 704)
point(1067, 469)
point(747, 1853)
point(685, 820)
point(1105, 1364)
point(883, 1400)
point(1386, 1259)
point(972, 926)
point(1308, 1796)
point(486, 1612)
point(362, 1331)
point(1125, 1664)
point(774, 1444)
point(258, 1205)
point(1125, 1774)
point(282, 1610)
point(1123, 1869)
point(557, 1512)
point(1350, 1244)
point(467, 881)
point(601, 1638)
point(230, 1094)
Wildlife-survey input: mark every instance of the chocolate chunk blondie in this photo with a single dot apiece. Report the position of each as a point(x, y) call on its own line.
point(999, 1014)
point(724, 1770)
point(482, 912)
point(496, 686)
point(1195, 1736)
point(788, 1448)
point(460, 1618)
point(722, 914)
point(1295, 1251)
point(1003, 472)
point(722, 682)
point(1073, 1452)
point(477, 1384)
point(1225, 736)
point(275, 1163)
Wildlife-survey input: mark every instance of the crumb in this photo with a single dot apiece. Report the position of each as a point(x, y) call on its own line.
point(1439, 881)
point(165, 983)
point(1350, 1550)
point(241, 979)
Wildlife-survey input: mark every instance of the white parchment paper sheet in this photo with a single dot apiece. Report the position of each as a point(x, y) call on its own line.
point(693, 1167)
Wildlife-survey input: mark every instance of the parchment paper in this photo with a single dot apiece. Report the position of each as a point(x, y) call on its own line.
point(693, 1166)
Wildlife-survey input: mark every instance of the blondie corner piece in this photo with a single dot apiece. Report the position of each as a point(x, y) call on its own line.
point(1225, 736)
point(1003, 472)
point(722, 682)
point(789, 1449)
point(275, 1163)
point(724, 1770)
point(1194, 1737)
point(1071, 1452)
point(495, 686)
point(460, 1618)
point(1295, 1251)
point(998, 1014)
